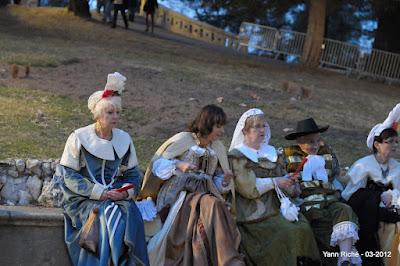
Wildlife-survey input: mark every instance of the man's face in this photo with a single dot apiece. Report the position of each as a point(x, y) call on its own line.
point(309, 143)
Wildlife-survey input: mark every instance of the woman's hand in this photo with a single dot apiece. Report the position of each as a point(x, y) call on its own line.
point(185, 166)
point(103, 196)
point(386, 199)
point(284, 182)
point(228, 176)
point(114, 195)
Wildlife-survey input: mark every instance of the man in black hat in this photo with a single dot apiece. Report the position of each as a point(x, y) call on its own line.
point(333, 222)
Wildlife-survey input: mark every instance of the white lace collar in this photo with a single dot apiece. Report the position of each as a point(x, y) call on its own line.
point(200, 151)
point(368, 166)
point(265, 151)
point(102, 148)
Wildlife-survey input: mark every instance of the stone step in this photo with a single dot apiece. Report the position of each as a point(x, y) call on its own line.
point(32, 236)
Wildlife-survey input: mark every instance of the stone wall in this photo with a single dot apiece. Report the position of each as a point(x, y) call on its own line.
point(24, 182)
point(183, 25)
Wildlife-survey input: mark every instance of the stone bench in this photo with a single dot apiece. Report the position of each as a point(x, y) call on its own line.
point(32, 236)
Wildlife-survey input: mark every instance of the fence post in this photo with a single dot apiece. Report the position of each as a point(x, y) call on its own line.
point(277, 38)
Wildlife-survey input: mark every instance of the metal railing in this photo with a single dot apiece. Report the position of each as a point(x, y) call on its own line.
point(335, 54)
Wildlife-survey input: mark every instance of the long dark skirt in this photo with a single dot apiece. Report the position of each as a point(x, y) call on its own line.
point(365, 203)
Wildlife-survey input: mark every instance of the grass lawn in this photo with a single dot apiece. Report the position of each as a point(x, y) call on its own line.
point(70, 58)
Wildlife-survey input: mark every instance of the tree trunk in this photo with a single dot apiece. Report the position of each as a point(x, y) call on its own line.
point(315, 33)
point(80, 8)
point(387, 34)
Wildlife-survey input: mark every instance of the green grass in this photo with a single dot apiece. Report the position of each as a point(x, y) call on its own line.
point(37, 60)
point(36, 124)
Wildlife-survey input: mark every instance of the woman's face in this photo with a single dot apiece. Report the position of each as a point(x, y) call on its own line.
point(216, 133)
point(255, 134)
point(109, 117)
point(387, 148)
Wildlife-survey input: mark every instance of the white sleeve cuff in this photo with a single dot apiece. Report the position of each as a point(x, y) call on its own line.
point(97, 191)
point(395, 196)
point(163, 168)
point(264, 185)
point(131, 191)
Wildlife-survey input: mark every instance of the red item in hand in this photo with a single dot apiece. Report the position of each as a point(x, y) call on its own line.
point(125, 188)
point(299, 167)
point(107, 93)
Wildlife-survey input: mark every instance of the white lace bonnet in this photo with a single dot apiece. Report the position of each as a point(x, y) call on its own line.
point(114, 87)
point(392, 121)
point(238, 137)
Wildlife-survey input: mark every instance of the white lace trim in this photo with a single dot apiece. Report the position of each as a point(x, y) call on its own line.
point(344, 230)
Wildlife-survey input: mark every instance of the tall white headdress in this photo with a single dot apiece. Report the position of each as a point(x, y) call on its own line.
point(391, 121)
point(238, 137)
point(114, 87)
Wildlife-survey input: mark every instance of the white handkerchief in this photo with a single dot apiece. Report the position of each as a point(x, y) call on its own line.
point(314, 168)
point(147, 209)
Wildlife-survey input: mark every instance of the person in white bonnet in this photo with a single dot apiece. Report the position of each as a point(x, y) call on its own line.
point(373, 191)
point(102, 178)
point(268, 236)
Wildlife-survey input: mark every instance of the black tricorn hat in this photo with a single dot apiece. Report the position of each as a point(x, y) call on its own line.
point(305, 127)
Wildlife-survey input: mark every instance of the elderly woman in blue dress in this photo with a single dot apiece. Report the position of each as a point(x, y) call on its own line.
point(98, 161)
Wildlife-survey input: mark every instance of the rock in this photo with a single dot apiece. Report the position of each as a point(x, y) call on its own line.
point(12, 173)
point(34, 166)
point(54, 165)
point(220, 99)
point(31, 163)
point(34, 186)
point(20, 165)
point(293, 99)
point(8, 164)
point(52, 195)
point(3, 180)
point(46, 168)
point(59, 170)
point(243, 105)
point(11, 188)
point(24, 198)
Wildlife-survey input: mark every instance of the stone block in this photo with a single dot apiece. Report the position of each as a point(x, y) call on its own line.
point(20, 165)
point(46, 168)
point(34, 186)
point(9, 193)
point(34, 166)
point(13, 173)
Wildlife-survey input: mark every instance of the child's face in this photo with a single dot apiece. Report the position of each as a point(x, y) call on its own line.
point(310, 144)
